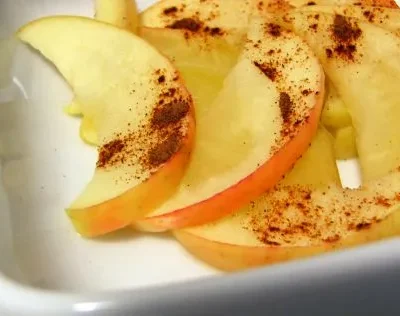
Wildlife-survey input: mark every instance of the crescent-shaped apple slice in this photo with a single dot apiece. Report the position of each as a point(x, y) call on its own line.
point(140, 108)
point(259, 124)
point(302, 216)
point(359, 56)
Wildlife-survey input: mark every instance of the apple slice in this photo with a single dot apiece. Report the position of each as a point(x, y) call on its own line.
point(360, 57)
point(257, 127)
point(300, 218)
point(140, 108)
point(121, 13)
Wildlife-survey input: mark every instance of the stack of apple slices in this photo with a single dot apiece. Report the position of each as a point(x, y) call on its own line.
point(204, 111)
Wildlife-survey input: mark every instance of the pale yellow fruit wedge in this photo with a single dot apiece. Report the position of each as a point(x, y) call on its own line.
point(138, 104)
point(259, 124)
point(299, 218)
point(363, 62)
point(345, 143)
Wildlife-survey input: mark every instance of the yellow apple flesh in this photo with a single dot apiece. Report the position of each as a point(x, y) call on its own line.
point(360, 57)
point(299, 218)
point(140, 108)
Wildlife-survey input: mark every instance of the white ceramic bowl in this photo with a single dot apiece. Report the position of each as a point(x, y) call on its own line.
point(45, 267)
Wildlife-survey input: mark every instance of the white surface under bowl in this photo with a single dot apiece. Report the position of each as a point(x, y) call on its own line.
point(45, 267)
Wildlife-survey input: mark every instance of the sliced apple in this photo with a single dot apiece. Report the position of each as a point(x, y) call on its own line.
point(259, 124)
point(360, 57)
point(121, 13)
point(140, 108)
point(299, 218)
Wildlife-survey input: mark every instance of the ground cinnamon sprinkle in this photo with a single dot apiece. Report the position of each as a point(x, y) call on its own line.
point(168, 114)
point(273, 29)
point(267, 70)
point(170, 10)
point(344, 31)
point(164, 150)
point(109, 151)
point(186, 24)
point(285, 105)
point(345, 34)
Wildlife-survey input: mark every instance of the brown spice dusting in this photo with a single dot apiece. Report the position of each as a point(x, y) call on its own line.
point(369, 15)
point(311, 3)
point(332, 239)
point(382, 201)
point(170, 10)
point(306, 92)
point(361, 226)
point(344, 31)
point(109, 151)
point(267, 70)
point(163, 151)
point(213, 31)
point(314, 26)
point(273, 29)
point(329, 52)
point(169, 113)
point(161, 79)
point(345, 34)
point(186, 24)
point(285, 105)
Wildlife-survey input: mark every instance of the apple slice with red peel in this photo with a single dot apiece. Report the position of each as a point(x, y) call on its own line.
point(300, 217)
point(358, 57)
point(257, 127)
point(140, 107)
